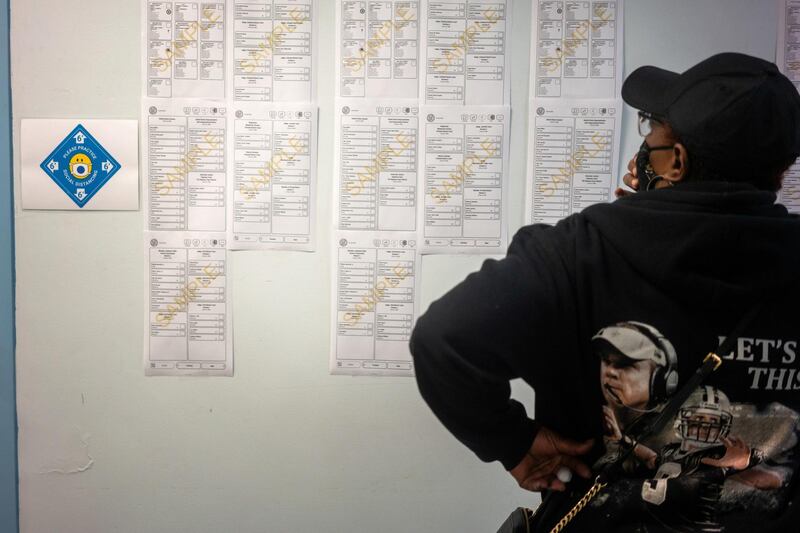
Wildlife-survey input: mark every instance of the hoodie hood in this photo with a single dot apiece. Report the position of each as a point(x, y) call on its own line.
point(726, 241)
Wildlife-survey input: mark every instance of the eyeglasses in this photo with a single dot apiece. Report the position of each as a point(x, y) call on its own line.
point(646, 121)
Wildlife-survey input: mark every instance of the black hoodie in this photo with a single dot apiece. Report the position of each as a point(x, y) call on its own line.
point(671, 270)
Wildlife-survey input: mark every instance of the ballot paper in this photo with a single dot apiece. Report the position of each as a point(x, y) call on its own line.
point(375, 176)
point(184, 49)
point(465, 175)
point(377, 48)
point(573, 153)
point(789, 39)
point(789, 195)
point(183, 145)
point(788, 54)
point(576, 48)
point(273, 148)
point(467, 48)
point(375, 297)
point(188, 312)
point(273, 55)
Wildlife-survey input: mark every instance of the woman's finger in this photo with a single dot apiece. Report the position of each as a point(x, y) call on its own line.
point(631, 181)
point(576, 465)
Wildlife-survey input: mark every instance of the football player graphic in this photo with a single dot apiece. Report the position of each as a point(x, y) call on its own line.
point(638, 371)
point(691, 474)
point(687, 485)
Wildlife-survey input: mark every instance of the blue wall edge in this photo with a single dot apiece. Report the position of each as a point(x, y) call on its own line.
point(9, 477)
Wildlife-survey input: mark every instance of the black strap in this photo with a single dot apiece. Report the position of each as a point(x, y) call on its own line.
point(650, 427)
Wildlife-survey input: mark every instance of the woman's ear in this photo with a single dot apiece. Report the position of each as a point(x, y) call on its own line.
point(680, 165)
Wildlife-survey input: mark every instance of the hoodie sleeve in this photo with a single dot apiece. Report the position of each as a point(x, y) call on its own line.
point(479, 336)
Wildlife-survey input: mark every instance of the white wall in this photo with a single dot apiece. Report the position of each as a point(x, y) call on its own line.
point(283, 446)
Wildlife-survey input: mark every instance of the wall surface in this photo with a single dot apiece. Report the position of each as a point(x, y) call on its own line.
point(282, 446)
point(8, 418)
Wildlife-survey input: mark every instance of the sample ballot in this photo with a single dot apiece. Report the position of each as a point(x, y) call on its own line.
point(375, 180)
point(185, 46)
point(273, 52)
point(375, 295)
point(274, 149)
point(187, 317)
point(572, 157)
point(789, 195)
point(377, 48)
point(789, 40)
point(467, 46)
point(184, 143)
point(465, 161)
point(788, 59)
point(576, 48)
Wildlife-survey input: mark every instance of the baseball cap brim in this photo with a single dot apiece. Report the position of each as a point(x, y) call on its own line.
point(646, 89)
point(629, 343)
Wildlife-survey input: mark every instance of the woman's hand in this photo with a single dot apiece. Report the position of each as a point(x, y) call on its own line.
point(629, 179)
point(548, 453)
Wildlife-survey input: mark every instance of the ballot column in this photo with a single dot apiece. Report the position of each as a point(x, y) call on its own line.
point(379, 46)
point(550, 48)
point(253, 51)
point(253, 176)
point(486, 49)
point(483, 185)
point(552, 170)
point(356, 312)
point(445, 63)
point(445, 171)
point(604, 45)
point(168, 268)
point(185, 31)
point(575, 51)
point(394, 291)
point(212, 42)
point(291, 190)
point(206, 310)
point(405, 45)
point(397, 184)
point(206, 179)
point(594, 149)
point(354, 48)
point(292, 50)
point(168, 171)
point(159, 50)
point(358, 194)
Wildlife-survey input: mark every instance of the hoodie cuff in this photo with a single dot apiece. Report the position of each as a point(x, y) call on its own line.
point(520, 444)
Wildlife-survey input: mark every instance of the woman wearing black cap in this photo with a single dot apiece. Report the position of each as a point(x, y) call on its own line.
point(701, 242)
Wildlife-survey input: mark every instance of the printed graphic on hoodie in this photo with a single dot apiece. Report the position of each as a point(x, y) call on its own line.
point(717, 466)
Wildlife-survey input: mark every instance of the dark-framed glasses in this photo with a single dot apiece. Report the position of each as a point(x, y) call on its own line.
point(647, 122)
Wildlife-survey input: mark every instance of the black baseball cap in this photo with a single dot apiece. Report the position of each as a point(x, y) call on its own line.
point(729, 107)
